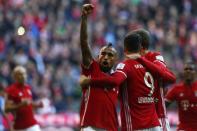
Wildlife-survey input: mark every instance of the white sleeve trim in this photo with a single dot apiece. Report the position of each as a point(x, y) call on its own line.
point(168, 100)
point(161, 62)
point(122, 73)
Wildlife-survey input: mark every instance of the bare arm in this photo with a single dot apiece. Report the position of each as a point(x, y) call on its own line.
point(10, 106)
point(85, 49)
point(105, 81)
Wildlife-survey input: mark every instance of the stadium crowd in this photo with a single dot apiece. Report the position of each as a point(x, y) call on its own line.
point(43, 36)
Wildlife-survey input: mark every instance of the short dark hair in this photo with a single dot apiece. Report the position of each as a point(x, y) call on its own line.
point(191, 63)
point(132, 42)
point(110, 45)
point(145, 37)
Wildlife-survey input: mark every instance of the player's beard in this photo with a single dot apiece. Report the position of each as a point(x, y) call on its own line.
point(105, 69)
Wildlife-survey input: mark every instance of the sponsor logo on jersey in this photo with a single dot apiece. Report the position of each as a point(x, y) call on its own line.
point(145, 99)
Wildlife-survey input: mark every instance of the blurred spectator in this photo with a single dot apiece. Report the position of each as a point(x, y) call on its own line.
point(5, 123)
point(2, 105)
point(48, 45)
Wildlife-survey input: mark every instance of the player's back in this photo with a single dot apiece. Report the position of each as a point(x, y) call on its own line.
point(137, 104)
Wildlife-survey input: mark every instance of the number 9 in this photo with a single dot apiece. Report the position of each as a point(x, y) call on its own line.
point(149, 84)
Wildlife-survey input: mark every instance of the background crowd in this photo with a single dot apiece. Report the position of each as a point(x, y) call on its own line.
point(43, 36)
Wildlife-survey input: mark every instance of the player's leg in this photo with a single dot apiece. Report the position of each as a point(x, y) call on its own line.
point(164, 124)
point(167, 125)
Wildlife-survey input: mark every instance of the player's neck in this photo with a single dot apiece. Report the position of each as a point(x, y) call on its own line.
point(20, 84)
point(132, 55)
point(146, 51)
point(188, 82)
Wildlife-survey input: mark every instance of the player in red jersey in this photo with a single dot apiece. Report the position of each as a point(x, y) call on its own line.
point(98, 106)
point(185, 94)
point(137, 101)
point(19, 102)
point(158, 60)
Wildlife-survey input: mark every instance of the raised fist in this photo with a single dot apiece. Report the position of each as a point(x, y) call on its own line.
point(87, 9)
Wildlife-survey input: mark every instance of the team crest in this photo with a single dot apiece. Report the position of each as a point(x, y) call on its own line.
point(184, 104)
point(20, 94)
point(181, 94)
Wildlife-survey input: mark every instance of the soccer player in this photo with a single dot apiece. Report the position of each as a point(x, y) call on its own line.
point(19, 102)
point(185, 94)
point(169, 77)
point(137, 101)
point(98, 105)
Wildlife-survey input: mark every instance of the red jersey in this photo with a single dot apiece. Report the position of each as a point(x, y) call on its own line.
point(137, 103)
point(98, 106)
point(186, 98)
point(156, 58)
point(24, 116)
point(137, 96)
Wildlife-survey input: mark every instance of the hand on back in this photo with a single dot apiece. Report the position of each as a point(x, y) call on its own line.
point(26, 102)
point(84, 81)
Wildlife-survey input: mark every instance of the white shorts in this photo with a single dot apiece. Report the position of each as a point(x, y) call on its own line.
point(89, 128)
point(165, 125)
point(32, 128)
point(157, 128)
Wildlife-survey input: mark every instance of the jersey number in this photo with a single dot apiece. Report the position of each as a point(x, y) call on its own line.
point(149, 82)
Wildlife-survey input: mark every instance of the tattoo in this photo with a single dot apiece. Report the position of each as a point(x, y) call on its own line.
point(85, 49)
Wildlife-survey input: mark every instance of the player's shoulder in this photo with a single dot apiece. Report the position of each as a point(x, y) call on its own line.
point(92, 63)
point(155, 55)
point(93, 67)
point(11, 88)
point(128, 64)
point(27, 86)
point(195, 82)
point(178, 86)
point(121, 65)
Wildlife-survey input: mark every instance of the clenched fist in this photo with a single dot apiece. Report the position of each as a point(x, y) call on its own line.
point(87, 9)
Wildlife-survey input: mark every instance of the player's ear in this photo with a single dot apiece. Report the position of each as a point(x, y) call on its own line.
point(142, 51)
point(97, 57)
